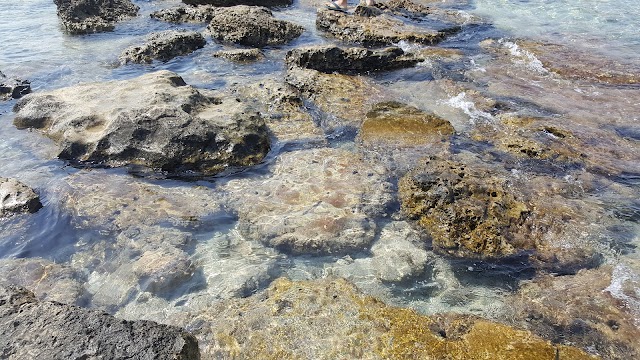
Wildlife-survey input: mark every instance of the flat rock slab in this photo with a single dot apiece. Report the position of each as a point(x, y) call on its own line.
point(329, 58)
point(16, 197)
point(163, 46)
point(154, 120)
point(379, 30)
point(317, 201)
point(226, 3)
point(13, 88)
point(251, 26)
point(30, 329)
point(89, 16)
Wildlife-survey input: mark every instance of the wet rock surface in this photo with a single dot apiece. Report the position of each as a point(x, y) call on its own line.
point(66, 331)
point(332, 188)
point(251, 26)
point(330, 318)
point(17, 198)
point(13, 88)
point(329, 58)
point(163, 46)
point(380, 29)
point(185, 14)
point(226, 3)
point(89, 16)
point(240, 55)
point(173, 127)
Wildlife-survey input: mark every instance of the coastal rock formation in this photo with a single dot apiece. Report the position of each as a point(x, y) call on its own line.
point(330, 318)
point(16, 197)
point(251, 26)
point(185, 14)
point(163, 46)
point(13, 88)
point(33, 329)
point(89, 16)
point(155, 120)
point(329, 58)
point(377, 30)
point(317, 201)
point(224, 3)
point(240, 55)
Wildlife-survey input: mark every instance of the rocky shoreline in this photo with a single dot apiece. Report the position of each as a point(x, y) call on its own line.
point(326, 164)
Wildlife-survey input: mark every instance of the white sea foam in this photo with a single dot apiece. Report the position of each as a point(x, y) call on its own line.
point(524, 57)
point(468, 107)
point(620, 279)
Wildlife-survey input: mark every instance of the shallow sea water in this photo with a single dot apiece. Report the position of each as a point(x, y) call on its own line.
point(100, 242)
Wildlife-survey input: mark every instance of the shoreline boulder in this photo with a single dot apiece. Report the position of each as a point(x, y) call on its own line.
point(228, 3)
point(89, 16)
point(163, 46)
point(16, 197)
point(155, 120)
point(13, 88)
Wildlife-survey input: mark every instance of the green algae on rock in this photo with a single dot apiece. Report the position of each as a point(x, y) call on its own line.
point(331, 319)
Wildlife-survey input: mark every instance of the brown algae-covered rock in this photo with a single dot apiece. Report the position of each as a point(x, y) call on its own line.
point(331, 319)
point(16, 197)
point(163, 46)
point(88, 16)
point(154, 120)
point(251, 26)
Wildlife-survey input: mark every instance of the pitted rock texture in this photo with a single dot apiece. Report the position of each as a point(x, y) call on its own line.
point(377, 30)
point(163, 46)
point(30, 329)
point(240, 55)
point(332, 319)
point(13, 88)
point(89, 16)
point(251, 26)
point(226, 3)
point(329, 58)
point(317, 201)
point(16, 197)
point(185, 14)
point(155, 120)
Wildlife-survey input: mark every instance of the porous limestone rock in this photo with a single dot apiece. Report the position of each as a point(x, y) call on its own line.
point(251, 26)
point(163, 46)
point(13, 88)
point(185, 14)
point(267, 3)
point(16, 197)
point(89, 16)
point(240, 55)
point(154, 120)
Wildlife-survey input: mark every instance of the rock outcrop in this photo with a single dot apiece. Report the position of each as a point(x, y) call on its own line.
point(377, 30)
point(89, 16)
point(251, 26)
point(16, 197)
point(163, 46)
point(240, 55)
point(185, 14)
point(329, 58)
point(226, 3)
point(32, 329)
point(330, 318)
point(13, 88)
point(155, 120)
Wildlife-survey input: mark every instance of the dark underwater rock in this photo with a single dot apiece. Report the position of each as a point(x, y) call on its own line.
point(251, 26)
point(89, 16)
point(164, 46)
point(30, 329)
point(154, 120)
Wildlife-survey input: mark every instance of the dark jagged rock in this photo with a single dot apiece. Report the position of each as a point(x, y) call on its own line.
point(16, 197)
point(30, 329)
point(328, 59)
point(226, 3)
point(240, 55)
point(13, 88)
point(185, 14)
point(155, 120)
point(164, 46)
point(89, 16)
point(377, 29)
point(251, 26)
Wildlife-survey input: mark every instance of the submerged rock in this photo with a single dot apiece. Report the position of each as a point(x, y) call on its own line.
point(155, 120)
point(251, 26)
point(330, 318)
point(317, 201)
point(163, 46)
point(240, 55)
point(33, 329)
point(377, 30)
point(88, 16)
point(329, 58)
point(13, 88)
point(185, 14)
point(267, 3)
point(16, 197)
